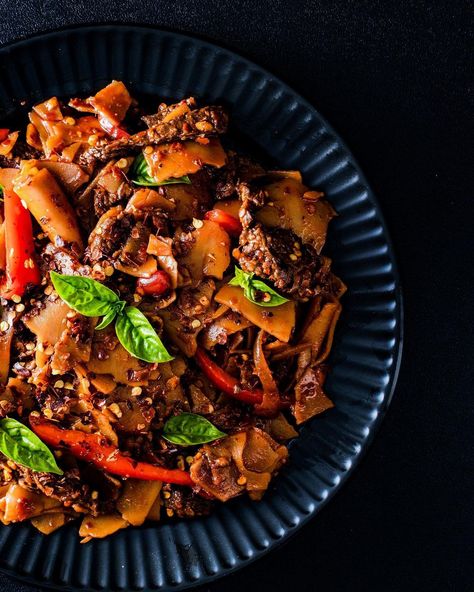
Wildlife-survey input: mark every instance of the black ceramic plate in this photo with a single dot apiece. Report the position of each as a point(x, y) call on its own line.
point(366, 353)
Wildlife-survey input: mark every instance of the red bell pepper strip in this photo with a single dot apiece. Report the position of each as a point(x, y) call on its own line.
point(4, 133)
point(113, 130)
point(3, 252)
point(224, 381)
point(226, 221)
point(97, 450)
point(156, 284)
point(21, 267)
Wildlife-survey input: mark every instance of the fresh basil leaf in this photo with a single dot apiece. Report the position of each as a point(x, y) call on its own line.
point(189, 429)
point(139, 166)
point(121, 304)
point(138, 337)
point(171, 181)
point(21, 445)
point(86, 296)
point(116, 309)
point(275, 298)
point(241, 278)
point(252, 285)
point(141, 175)
point(107, 319)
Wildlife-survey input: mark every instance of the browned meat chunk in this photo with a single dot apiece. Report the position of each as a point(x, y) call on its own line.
point(110, 187)
point(165, 110)
point(276, 254)
point(70, 489)
point(109, 235)
point(199, 122)
point(134, 252)
point(185, 503)
point(239, 169)
point(21, 151)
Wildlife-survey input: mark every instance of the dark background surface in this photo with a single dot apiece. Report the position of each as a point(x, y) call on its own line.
point(393, 78)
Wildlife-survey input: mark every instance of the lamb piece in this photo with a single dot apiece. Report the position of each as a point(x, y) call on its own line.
point(134, 252)
point(109, 235)
point(185, 503)
point(164, 110)
point(238, 169)
point(110, 187)
point(272, 254)
point(197, 123)
point(103, 200)
point(119, 240)
point(276, 254)
point(9, 162)
point(21, 151)
point(69, 489)
point(251, 201)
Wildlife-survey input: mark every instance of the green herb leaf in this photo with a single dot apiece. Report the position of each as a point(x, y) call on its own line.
point(252, 286)
point(171, 181)
point(93, 299)
point(115, 310)
point(241, 278)
point(1, 192)
point(189, 429)
point(86, 296)
point(276, 299)
point(138, 337)
point(21, 445)
point(141, 175)
point(107, 319)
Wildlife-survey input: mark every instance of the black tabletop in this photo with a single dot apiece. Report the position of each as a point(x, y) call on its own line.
point(393, 79)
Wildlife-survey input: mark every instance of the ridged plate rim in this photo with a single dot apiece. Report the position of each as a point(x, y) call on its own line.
point(334, 144)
